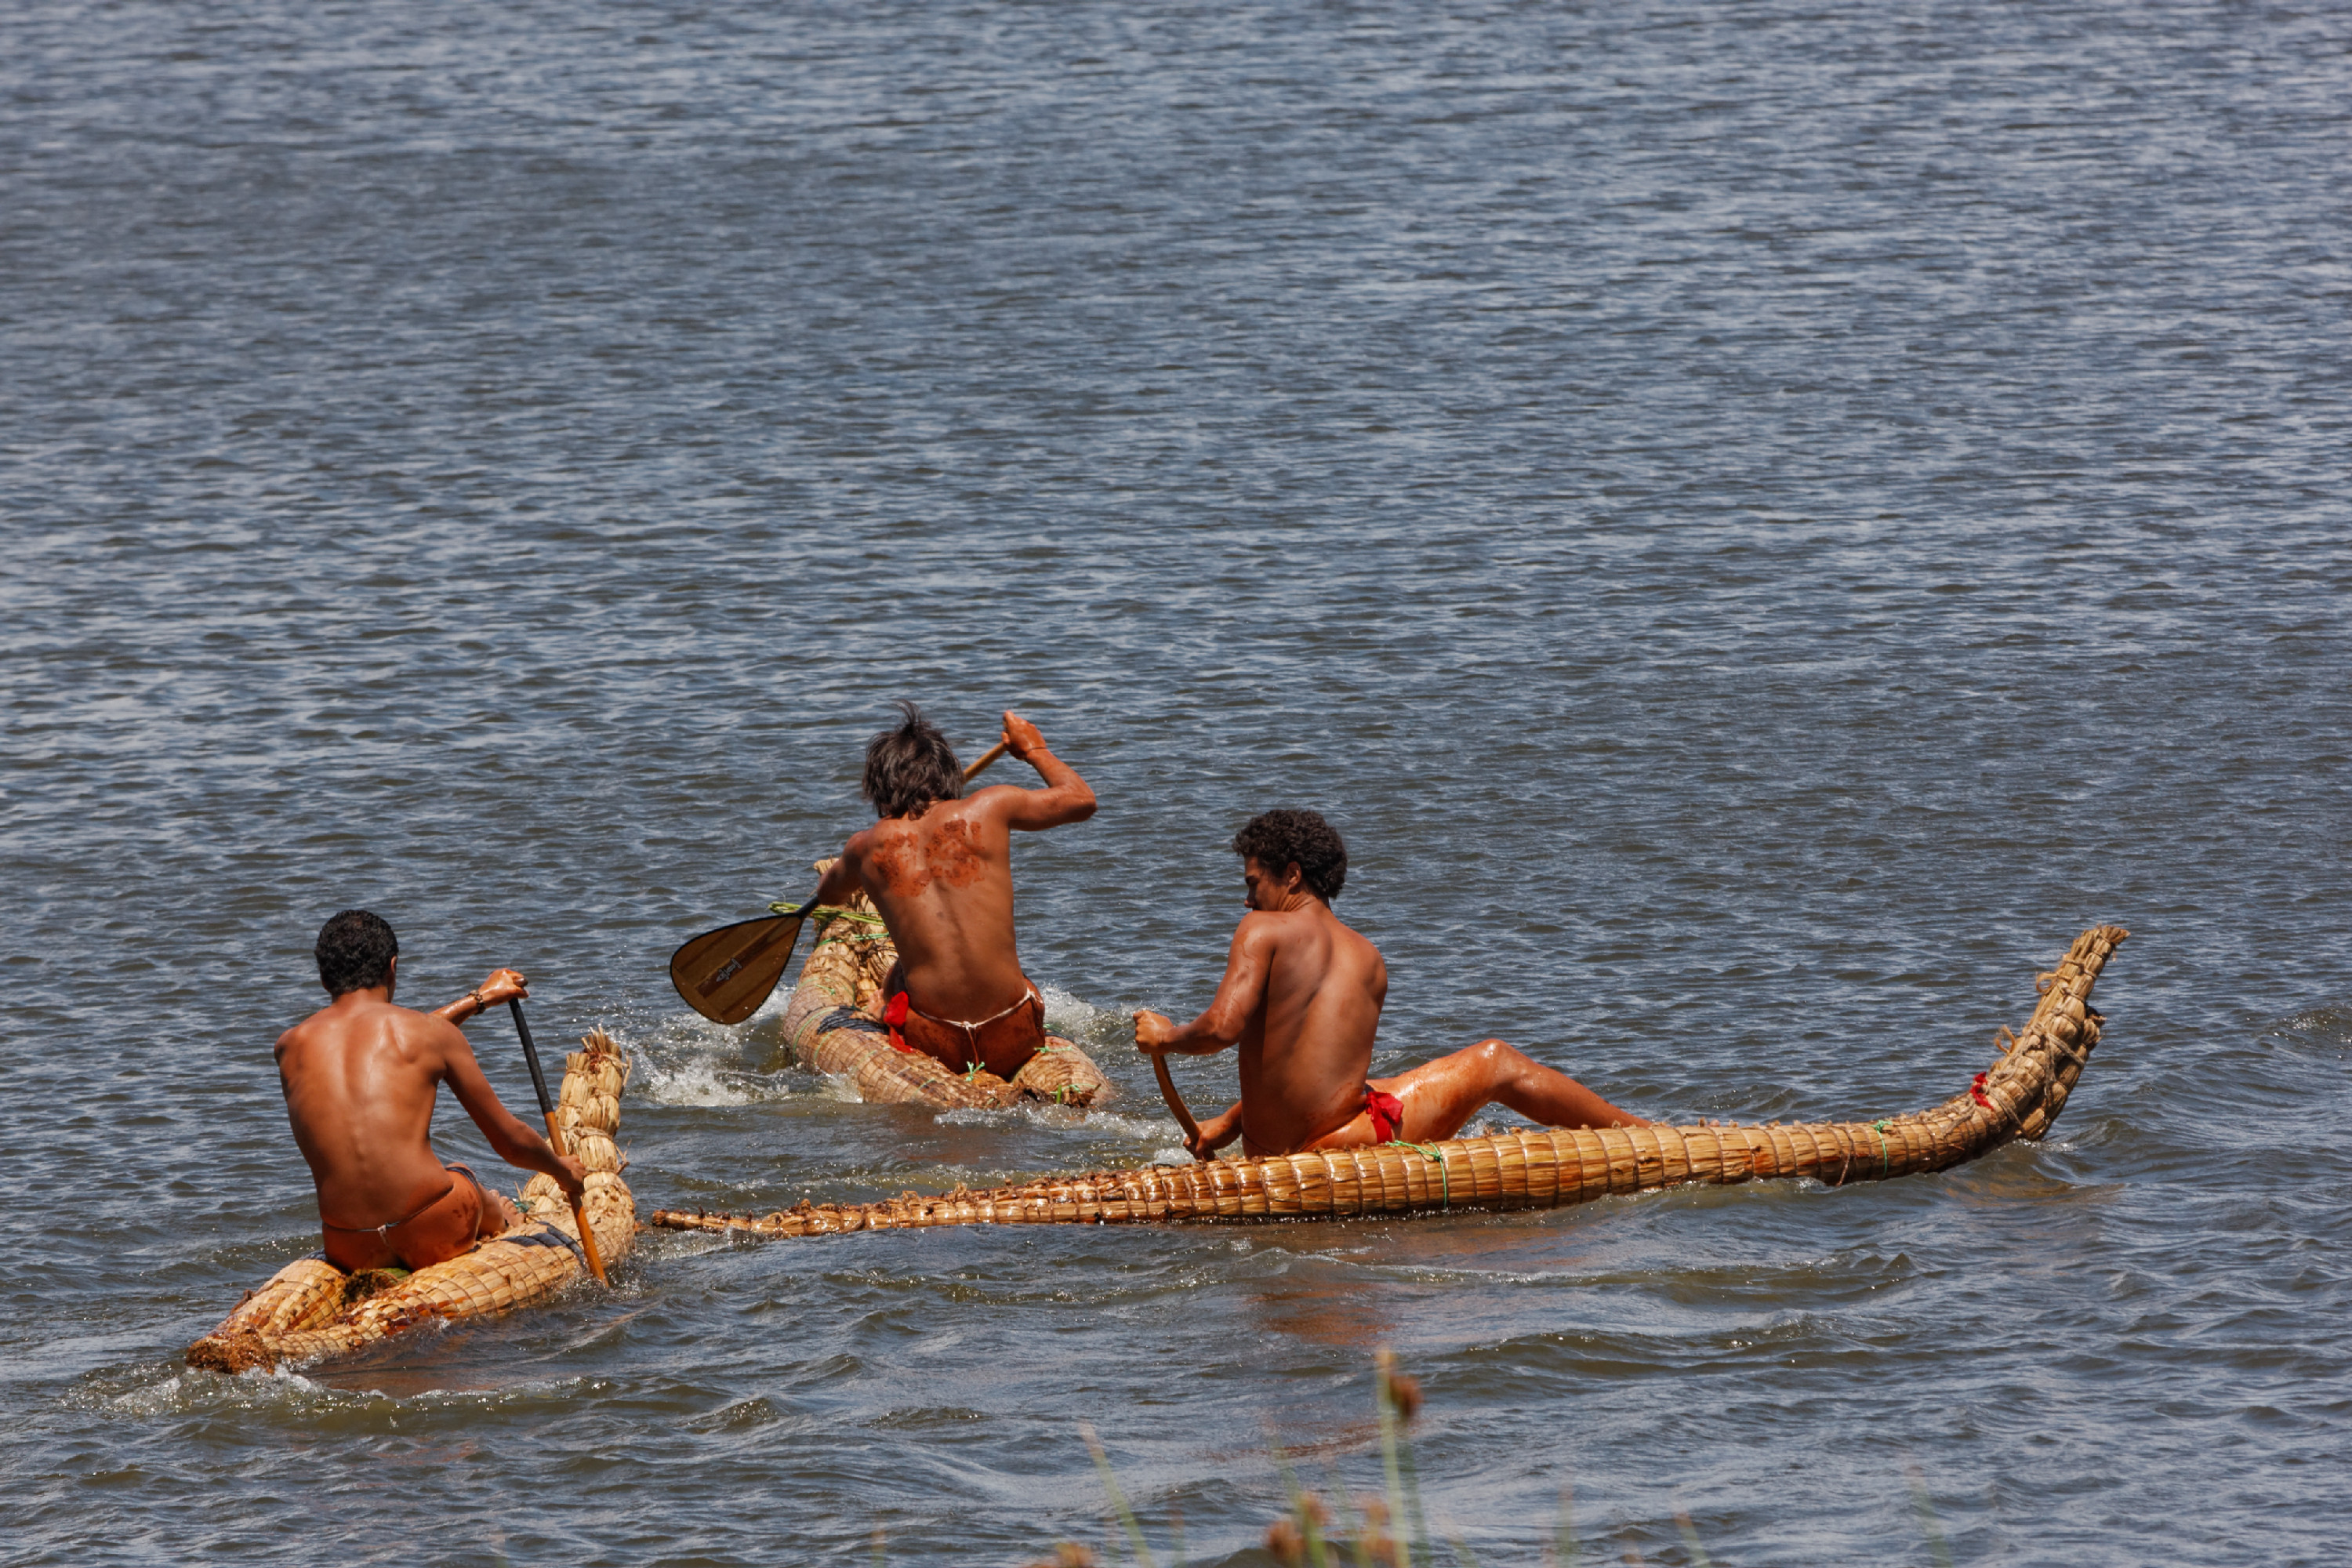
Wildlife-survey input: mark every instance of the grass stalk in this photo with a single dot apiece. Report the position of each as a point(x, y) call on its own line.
point(1392, 1461)
point(1118, 1498)
point(1690, 1539)
point(1302, 1509)
point(1928, 1520)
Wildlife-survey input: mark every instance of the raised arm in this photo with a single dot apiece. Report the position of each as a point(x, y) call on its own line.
point(1240, 995)
point(1065, 798)
point(513, 1140)
point(503, 985)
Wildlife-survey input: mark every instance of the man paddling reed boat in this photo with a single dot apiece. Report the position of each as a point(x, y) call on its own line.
point(938, 865)
point(361, 1078)
point(1302, 995)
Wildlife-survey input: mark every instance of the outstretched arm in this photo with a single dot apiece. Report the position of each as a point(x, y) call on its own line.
point(1065, 798)
point(1239, 996)
point(839, 882)
point(514, 1142)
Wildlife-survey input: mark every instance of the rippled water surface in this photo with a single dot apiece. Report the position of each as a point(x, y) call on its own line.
point(1758, 521)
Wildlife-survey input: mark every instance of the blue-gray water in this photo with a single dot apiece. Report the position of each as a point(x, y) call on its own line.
point(1758, 521)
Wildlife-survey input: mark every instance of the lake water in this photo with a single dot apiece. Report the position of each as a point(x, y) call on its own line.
point(1758, 522)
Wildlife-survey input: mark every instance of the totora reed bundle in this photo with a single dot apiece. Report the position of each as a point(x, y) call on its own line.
point(310, 1310)
point(2018, 1097)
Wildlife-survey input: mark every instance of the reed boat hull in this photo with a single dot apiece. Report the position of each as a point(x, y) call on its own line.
point(311, 1310)
point(2019, 1096)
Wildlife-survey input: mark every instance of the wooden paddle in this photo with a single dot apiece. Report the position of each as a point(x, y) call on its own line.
point(1176, 1103)
point(725, 974)
point(555, 1139)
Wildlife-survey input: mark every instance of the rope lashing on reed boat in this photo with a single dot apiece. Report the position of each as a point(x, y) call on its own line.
point(1444, 1177)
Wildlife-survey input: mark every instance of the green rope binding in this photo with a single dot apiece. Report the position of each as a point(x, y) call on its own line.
point(1444, 1177)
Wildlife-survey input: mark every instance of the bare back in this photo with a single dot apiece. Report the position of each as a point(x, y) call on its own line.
point(360, 1076)
point(942, 879)
point(943, 883)
point(1306, 1048)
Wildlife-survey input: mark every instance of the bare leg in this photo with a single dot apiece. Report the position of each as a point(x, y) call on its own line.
point(1439, 1096)
point(499, 1216)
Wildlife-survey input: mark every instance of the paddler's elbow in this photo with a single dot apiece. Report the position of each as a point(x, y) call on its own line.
point(1220, 1029)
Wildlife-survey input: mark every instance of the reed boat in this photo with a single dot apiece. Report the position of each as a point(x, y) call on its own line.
point(833, 1025)
point(2019, 1096)
point(311, 1310)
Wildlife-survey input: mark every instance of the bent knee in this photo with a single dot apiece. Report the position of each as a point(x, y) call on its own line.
point(498, 1216)
point(1496, 1053)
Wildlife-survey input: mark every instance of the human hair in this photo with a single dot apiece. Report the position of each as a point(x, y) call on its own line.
point(355, 951)
point(909, 767)
point(1279, 840)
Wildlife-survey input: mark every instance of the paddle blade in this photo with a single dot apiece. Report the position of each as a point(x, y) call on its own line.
point(725, 974)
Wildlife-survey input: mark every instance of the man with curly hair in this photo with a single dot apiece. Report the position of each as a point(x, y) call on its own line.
point(1302, 995)
point(938, 864)
point(360, 1076)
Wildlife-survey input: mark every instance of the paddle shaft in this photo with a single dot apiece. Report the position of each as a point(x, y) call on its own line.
point(555, 1136)
point(1176, 1102)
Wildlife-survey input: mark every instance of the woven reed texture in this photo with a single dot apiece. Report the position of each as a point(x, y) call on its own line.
point(311, 1310)
point(833, 1025)
point(2018, 1097)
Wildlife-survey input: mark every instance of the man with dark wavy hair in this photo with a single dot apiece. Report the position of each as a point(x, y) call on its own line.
point(1302, 996)
point(938, 865)
point(360, 1076)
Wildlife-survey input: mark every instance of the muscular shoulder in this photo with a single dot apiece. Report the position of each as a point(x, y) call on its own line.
point(424, 1039)
point(991, 805)
point(1269, 930)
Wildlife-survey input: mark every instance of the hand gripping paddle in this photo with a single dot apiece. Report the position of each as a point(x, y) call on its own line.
point(555, 1141)
point(725, 974)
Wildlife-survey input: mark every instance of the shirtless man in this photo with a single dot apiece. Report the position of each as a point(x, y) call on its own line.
point(938, 867)
point(360, 1076)
point(1302, 996)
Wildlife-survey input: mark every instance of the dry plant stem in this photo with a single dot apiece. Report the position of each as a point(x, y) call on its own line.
point(2019, 1096)
point(1384, 1367)
point(1118, 1498)
point(1564, 1548)
point(1310, 1527)
point(1690, 1538)
point(1928, 1520)
point(311, 1310)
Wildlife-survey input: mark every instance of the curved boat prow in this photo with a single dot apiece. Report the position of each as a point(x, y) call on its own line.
point(310, 1310)
point(2019, 1096)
